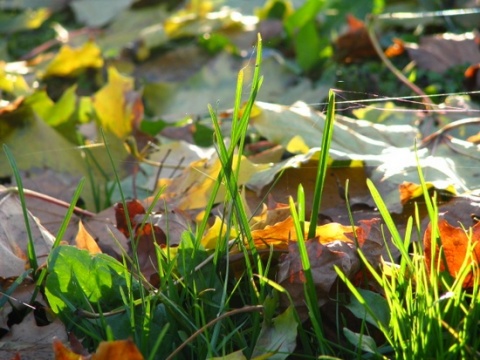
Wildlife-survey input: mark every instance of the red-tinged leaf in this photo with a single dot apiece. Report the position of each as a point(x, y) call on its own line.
point(455, 242)
point(146, 236)
point(134, 208)
point(63, 353)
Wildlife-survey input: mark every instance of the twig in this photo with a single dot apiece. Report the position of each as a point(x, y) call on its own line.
point(57, 41)
point(429, 105)
point(468, 121)
point(34, 194)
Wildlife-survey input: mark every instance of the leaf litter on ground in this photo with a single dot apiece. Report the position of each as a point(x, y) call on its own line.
point(385, 152)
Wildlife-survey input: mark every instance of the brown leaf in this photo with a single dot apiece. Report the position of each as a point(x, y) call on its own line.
point(440, 52)
point(85, 241)
point(322, 259)
point(355, 44)
point(146, 236)
point(455, 242)
point(271, 214)
point(334, 246)
point(13, 236)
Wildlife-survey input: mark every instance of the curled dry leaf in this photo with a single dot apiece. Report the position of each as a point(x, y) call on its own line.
point(282, 233)
point(455, 243)
point(85, 241)
point(272, 213)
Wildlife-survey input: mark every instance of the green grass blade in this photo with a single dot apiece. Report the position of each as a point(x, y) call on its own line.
point(309, 285)
point(385, 213)
point(322, 163)
point(32, 257)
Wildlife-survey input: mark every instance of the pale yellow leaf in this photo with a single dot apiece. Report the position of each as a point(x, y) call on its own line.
point(114, 104)
point(71, 61)
point(217, 231)
point(85, 241)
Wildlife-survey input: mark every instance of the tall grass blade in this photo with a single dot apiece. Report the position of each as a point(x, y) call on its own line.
point(322, 163)
point(32, 257)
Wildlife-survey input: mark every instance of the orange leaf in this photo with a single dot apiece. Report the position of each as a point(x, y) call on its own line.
point(455, 243)
point(63, 353)
point(117, 350)
point(280, 234)
point(277, 235)
point(396, 49)
point(85, 241)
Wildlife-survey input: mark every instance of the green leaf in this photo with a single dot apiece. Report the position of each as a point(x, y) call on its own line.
point(277, 338)
point(308, 46)
point(77, 280)
point(52, 113)
point(377, 304)
point(305, 14)
point(97, 13)
point(362, 341)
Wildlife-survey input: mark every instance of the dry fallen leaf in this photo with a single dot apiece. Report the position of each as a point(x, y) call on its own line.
point(355, 44)
point(334, 246)
point(107, 350)
point(85, 241)
point(282, 233)
point(455, 243)
point(192, 189)
point(117, 350)
point(440, 52)
point(63, 353)
point(118, 106)
point(14, 237)
point(409, 190)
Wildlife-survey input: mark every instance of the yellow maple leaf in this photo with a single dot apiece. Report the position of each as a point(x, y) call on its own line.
point(218, 229)
point(71, 61)
point(192, 189)
point(117, 104)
